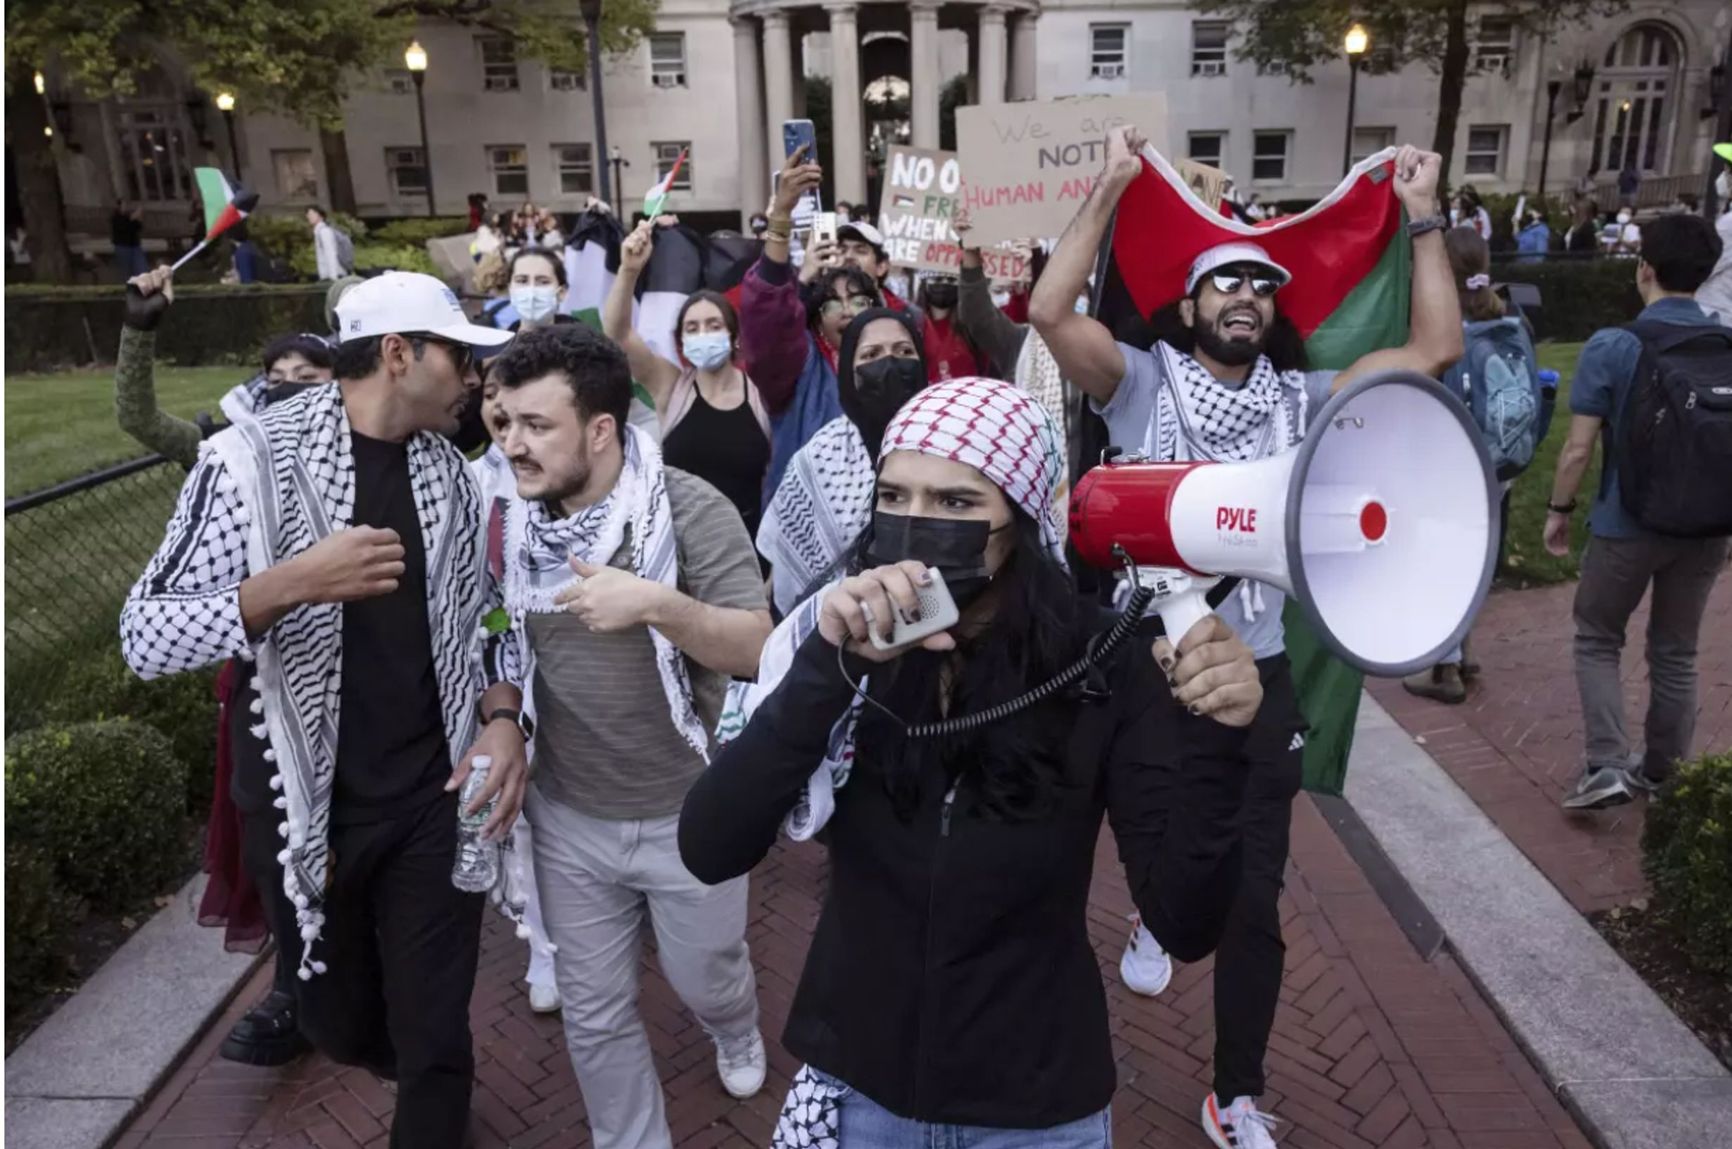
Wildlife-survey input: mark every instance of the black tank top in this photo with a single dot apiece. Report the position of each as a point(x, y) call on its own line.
point(726, 449)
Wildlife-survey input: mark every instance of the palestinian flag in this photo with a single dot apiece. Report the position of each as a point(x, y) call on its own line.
point(224, 205)
point(656, 198)
point(1351, 263)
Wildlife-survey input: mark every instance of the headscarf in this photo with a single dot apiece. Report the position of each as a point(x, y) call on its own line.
point(846, 389)
point(998, 429)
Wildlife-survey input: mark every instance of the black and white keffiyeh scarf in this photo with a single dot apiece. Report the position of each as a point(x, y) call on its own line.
point(820, 507)
point(811, 1116)
point(290, 473)
point(539, 550)
point(1200, 418)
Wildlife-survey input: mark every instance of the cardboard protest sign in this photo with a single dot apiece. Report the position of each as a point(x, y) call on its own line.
point(1204, 180)
point(922, 189)
point(1030, 165)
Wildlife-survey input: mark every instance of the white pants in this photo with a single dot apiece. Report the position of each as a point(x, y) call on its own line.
point(540, 951)
point(597, 878)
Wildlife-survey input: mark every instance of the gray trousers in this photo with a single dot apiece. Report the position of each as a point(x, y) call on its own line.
point(1615, 575)
point(597, 879)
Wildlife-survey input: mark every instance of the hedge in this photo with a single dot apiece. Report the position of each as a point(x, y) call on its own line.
point(104, 803)
point(1687, 855)
point(40, 919)
point(1578, 296)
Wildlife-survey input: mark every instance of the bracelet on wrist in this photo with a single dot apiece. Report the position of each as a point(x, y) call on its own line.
point(1568, 508)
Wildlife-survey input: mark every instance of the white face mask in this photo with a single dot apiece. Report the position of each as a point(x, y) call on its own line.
point(707, 350)
point(534, 303)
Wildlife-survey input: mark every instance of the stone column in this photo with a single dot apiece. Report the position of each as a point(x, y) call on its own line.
point(778, 78)
point(923, 71)
point(992, 45)
point(749, 99)
point(848, 129)
point(1022, 58)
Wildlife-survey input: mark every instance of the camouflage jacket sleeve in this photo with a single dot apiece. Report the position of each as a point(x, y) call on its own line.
point(135, 402)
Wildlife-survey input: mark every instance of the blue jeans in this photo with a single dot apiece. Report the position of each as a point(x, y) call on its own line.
point(867, 1125)
point(131, 261)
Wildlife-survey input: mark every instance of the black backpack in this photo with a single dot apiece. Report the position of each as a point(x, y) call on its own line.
point(1673, 440)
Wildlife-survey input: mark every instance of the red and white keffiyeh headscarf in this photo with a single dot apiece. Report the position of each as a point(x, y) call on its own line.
point(998, 429)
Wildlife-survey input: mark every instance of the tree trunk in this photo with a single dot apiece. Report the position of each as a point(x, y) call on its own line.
point(335, 144)
point(42, 204)
point(1449, 93)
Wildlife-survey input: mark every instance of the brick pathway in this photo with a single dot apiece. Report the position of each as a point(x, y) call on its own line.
point(1515, 746)
point(1373, 1048)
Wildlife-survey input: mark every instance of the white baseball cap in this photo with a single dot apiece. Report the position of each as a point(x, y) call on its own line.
point(864, 232)
point(407, 302)
point(1226, 254)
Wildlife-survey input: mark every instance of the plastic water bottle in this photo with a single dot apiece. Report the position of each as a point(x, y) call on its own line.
point(1548, 382)
point(476, 869)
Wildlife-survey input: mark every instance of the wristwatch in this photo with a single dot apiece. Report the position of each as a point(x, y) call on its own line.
point(1567, 509)
point(511, 715)
point(1433, 222)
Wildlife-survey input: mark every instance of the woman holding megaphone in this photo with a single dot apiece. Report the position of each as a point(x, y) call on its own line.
point(950, 986)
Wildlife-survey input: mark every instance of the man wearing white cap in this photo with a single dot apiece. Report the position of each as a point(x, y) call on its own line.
point(332, 543)
point(1226, 381)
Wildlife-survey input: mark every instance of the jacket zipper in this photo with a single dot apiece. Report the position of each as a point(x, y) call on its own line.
point(926, 968)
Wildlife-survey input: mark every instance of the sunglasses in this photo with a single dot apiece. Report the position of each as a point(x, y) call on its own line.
point(1229, 283)
point(462, 355)
point(853, 305)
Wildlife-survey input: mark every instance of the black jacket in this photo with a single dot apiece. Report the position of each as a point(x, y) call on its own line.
point(951, 978)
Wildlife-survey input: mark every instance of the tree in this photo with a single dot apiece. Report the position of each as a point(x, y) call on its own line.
point(1299, 35)
point(299, 59)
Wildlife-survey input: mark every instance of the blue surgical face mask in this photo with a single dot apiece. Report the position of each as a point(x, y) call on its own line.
point(707, 350)
point(534, 303)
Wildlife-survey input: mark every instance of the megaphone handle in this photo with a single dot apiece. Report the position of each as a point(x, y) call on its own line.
point(1181, 612)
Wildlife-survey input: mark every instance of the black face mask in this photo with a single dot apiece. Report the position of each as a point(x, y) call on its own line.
point(941, 296)
point(278, 392)
point(957, 547)
point(881, 387)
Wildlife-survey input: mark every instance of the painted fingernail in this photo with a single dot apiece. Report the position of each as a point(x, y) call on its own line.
point(925, 578)
point(1196, 710)
point(1172, 682)
point(1167, 664)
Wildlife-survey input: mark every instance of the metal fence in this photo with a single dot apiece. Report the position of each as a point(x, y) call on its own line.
point(72, 552)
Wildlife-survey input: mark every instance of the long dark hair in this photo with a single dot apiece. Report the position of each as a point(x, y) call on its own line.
point(1284, 346)
point(1011, 770)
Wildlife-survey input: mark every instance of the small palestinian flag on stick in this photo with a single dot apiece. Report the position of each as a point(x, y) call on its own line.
point(224, 206)
point(657, 197)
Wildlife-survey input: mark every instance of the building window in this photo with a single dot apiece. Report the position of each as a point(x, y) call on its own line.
point(668, 59)
point(1107, 50)
point(400, 81)
point(509, 164)
point(666, 154)
point(1269, 156)
point(1209, 47)
point(155, 160)
point(1495, 45)
point(1633, 115)
point(1485, 149)
point(407, 170)
point(1206, 147)
point(1370, 141)
point(1272, 68)
point(498, 63)
point(576, 165)
point(564, 80)
point(297, 178)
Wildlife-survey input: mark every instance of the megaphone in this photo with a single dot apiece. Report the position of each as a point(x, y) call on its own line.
point(1381, 524)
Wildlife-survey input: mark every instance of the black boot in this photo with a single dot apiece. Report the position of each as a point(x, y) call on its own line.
point(267, 1035)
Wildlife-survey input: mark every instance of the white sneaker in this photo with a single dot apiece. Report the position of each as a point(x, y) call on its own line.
point(543, 998)
point(742, 1065)
point(1145, 969)
point(1239, 1126)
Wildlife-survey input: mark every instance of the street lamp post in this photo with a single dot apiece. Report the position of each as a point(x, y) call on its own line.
point(1553, 87)
point(592, 32)
point(225, 103)
point(1356, 43)
point(415, 59)
point(618, 161)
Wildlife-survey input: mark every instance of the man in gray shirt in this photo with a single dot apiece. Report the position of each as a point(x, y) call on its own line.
point(1226, 382)
point(629, 593)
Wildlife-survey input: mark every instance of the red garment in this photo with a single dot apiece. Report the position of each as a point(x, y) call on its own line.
point(230, 897)
point(891, 300)
point(949, 355)
point(474, 217)
point(1016, 309)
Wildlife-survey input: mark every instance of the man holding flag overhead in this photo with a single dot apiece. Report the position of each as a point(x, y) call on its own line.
point(1239, 312)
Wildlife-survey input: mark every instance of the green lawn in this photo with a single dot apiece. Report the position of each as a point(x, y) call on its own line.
point(1526, 561)
point(62, 425)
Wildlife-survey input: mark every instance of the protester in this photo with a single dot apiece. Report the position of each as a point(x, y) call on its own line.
point(825, 497)
point(477, 209)
point(489, 237)
point(1471, 212)
point(633, 593)
point(1629, 181)
point(949, 353)
point(1534, 239)
point(950, 988)
point(535, 285)
point(1625, 236)
point(327, 251)
point(713, 421)
point(1489, 333)
point(1715, 294)
point(126, 231)
point(247, 259)
point(788, 343)
point(1583, 237)
point(358, 766)
point(1227, 382)
point(861, 245)
point(549, 231)
point(1623, 557)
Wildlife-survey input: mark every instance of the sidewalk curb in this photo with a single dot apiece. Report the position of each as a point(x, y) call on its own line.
point(1618, 1058)
point(77, 1081)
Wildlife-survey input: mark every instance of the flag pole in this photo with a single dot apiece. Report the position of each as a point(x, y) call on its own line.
point(202, 244)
